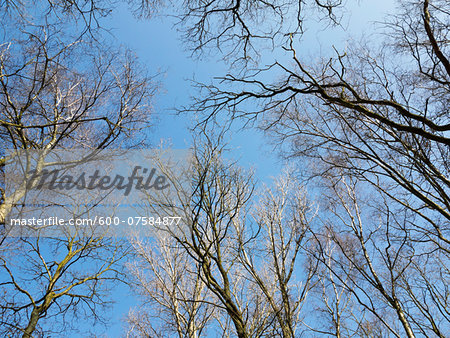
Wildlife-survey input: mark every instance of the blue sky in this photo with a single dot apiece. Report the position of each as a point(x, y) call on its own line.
point(159, 47)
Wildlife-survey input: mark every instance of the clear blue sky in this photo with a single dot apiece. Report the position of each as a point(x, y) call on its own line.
point(158, 46)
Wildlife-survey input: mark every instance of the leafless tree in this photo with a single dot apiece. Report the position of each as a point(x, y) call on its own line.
point(175, 299)
point(247, 260)
point(207, 232)
point(63, 93)
point(239, 29)
point(47, 283)
point(61, 88)
point(275, 260)
point(373, 123)
point(375, 262)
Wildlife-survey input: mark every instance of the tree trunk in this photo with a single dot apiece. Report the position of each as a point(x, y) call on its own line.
point(32, 322)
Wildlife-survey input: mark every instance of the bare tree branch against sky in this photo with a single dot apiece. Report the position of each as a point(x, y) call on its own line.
point(351, 240)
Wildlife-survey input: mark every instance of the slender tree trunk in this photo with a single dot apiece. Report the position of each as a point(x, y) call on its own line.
point(35, 315)
point(401, 316)
point(32, 322)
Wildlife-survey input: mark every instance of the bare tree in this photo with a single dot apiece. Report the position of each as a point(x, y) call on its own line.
point(275, 260)
point(169, 283)
point(58, 93)
point(246, 259)
point(208, 232)
point(375, 261)
point(373, 119)
point(61, 88)
point(56, 280)
point(240, 29)
point(334, 304)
